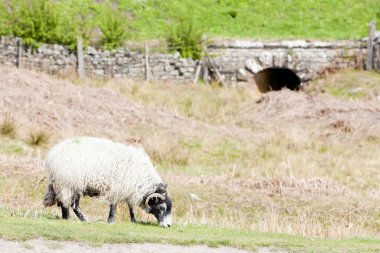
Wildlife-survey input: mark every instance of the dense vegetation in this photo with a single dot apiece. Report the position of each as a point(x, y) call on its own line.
point(110, 23)
point(47, 21)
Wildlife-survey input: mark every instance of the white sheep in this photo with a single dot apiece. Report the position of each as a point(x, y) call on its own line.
point(114, 172)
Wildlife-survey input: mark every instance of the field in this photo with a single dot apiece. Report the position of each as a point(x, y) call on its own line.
point(110, 24)
point(345, 19)
point(236, 162)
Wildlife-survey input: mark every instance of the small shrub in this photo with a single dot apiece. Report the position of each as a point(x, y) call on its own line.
point(233, 13)
point(113, 27)
point(185, 39)
point(8, 126)
point(38, 138)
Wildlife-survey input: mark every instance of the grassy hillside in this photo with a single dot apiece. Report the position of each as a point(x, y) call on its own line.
point(111, 23)
point(269, 19)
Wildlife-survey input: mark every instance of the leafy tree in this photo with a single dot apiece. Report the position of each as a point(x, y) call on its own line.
point(78, 19)
point(34, 21)
point(113, 26)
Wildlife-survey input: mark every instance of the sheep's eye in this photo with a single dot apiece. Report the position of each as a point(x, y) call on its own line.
point(163, 207)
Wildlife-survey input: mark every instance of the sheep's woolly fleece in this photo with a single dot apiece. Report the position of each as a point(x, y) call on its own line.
point(120, 172)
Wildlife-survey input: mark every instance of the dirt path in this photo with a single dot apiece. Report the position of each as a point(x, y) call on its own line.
point(42, 246)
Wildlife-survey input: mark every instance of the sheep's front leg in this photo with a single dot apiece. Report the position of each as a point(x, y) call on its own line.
point(65, 211)
point(77, 210)
point(111, 216)
point(132, 214)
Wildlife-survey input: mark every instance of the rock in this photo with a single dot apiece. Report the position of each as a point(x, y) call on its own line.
point(60, 62)
point(188, 75)
point(91, 51)
point(321, 44)
point(241, 75)
point(253, 66)
point(99, 72)
point(248, 44)
point(158, 68)
point(169, 68)
point(294, 43)
point(266, 58)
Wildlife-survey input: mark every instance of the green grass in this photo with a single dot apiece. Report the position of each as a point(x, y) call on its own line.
point(18, 228)
point(11, 146)
point(266, 19)
point(61, 21)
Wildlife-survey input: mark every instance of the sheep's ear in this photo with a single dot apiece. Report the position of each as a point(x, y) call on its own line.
point(161, 187)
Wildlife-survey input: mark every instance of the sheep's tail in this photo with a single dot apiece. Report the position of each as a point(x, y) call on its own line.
point(50, 196)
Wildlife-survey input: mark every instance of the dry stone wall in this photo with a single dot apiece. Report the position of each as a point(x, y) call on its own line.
point(236, 60)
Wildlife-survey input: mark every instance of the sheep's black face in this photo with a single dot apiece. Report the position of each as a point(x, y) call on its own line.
point(161, 208)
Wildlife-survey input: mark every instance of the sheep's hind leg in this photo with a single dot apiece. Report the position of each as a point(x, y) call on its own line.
point(77, 210)
point(132, 214)
point(111, 216)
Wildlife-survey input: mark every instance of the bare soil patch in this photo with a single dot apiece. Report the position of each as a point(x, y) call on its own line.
point(40, 245)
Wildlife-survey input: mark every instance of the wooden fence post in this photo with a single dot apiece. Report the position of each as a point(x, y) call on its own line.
point(371, 37)
point(80, 57)
point(147, 67)
point(201, 60)
point(220, 78)
point(197, 71)
point(204, 60)
point(19, 53)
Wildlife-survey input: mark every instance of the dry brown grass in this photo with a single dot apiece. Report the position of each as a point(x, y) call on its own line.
point(38, 138)
point(188, 100)
point(317, 115)
point(289, 162)
point(8, 126)
point(348, 84)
